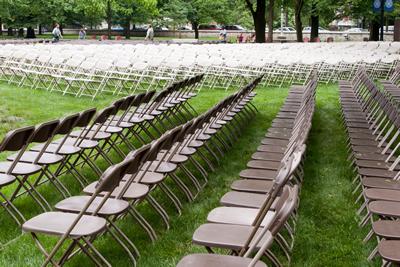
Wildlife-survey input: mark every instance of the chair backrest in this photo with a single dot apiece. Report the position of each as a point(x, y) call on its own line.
point(156, 146)
point(111, 178)
point(128, 102)
point(285, 210)
point(85, 117)
point(45, 131)
point(67, 124)
point(136, 157)
point(103, 115)
point(118, 103)
point(17, 139)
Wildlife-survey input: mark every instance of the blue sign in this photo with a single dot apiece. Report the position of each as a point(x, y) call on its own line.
point(389, 5)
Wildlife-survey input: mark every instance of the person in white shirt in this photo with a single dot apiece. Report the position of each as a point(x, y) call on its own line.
point(150, 33)
point(56, 33)
point(223, 35)
point(82, 34)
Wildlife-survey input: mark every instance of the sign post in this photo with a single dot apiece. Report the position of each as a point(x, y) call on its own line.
point(382, 6)
point(382, 19)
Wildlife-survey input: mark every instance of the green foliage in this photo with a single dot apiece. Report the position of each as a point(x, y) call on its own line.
point(205, 11)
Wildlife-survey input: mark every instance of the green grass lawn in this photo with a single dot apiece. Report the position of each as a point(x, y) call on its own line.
point(327, 232)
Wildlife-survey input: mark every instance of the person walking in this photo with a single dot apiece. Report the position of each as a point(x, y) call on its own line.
point(56, 33)
point(223, 34)
point(82, 34)
point(150, 33)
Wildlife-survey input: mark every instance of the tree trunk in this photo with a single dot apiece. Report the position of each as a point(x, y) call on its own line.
point(10, 32)
point(21, 33)
point(286, 16)
point(259, 26)
point(259, 20)
point(314, 22)
point(30, 33)
point(127, 28)
point(374, 30)
point(271, 21)
point(297, 17)
point(40, 29)
point(109, 18)
point(1, 27)
point(195, 27)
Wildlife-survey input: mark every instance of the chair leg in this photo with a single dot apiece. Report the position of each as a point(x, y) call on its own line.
point(12, 209)
point(143, 223)
point(175, 200)
point(157, 207)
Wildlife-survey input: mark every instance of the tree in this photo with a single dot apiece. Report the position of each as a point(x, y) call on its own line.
point(271, 7)
point(298, 6)
point(135, 11)
point(91, 12)
point(314, 22)
point(195, 11)
point(258, 14)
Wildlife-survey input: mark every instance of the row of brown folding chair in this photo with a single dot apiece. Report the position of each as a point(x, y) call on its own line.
point(395, 77)
point(392, 92)
point(97, 135)
point(138, 175)
point(263, 202)
point(373, 126)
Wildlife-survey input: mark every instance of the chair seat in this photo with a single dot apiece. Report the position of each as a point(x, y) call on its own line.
point(238, 215)
point(272, 141)
point(6, 179)
point(263, 164)
point(64, 150)
point(92, 135)
point(148, 178)
point(271, 148)
point(389, 250)
point(281, 136)
point(268, 156)
point(82, 143)
point(177, 158)
point(253, 186)
point(20, 168)
point(135, 190)
point(57, 223)
point(367, 149)
point(210, 131)
point(77, 203)
point(379, 182)
point(382, 194)
point(164, 167)
point(196, 144)
point(376, 164)
point(156, 112)
point(243, 199)
point(111, 129)
point(222, 236)
point(45, 158)
point(387, 229)
point(259, 174)
point(370, 156)
point(213, 260)
point(122, 124)
point(377, 173)
point(203, 137)
point(385, 208)
point(188, 151)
